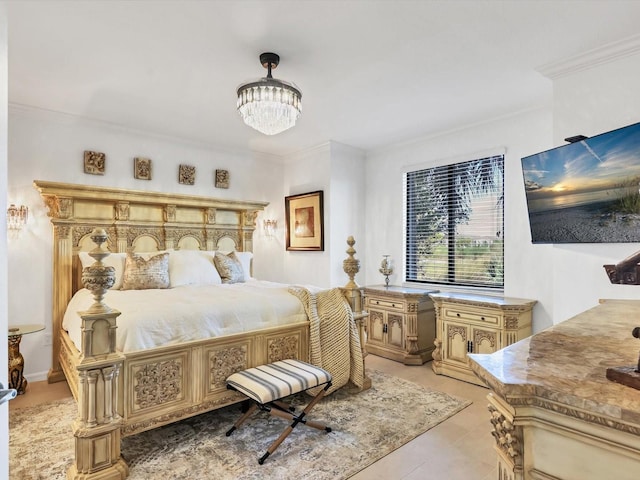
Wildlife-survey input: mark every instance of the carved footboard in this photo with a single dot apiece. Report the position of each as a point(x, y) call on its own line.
point(170, 384)
point(164, 385)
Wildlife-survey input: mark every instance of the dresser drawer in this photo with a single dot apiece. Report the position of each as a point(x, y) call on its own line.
point(468, 316)
point(386, 304)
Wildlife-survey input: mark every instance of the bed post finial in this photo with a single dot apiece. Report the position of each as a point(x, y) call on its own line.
point(351, 265)
point(97, 426)
point(98, 278)
point(354, 295)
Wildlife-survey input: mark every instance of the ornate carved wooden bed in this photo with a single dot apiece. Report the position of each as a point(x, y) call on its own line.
point(181, 380)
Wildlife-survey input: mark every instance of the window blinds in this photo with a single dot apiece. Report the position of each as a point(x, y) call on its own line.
point(454, 223)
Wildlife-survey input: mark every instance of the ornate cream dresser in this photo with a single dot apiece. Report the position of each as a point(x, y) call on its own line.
point(554, 414)
point(401, 323)
point(468, 323)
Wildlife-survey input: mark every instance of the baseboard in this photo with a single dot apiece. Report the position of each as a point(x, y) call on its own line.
point(37, 376)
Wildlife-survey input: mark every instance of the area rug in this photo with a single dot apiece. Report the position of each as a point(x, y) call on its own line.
point(366, 427)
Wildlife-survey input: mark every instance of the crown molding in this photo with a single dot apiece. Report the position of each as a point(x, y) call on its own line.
point(323, 148)
point(591, 58)
point(412, 142)
point(64, 118)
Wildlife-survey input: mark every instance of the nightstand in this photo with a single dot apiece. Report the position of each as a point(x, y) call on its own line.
point(469, 323)
point(401, 325)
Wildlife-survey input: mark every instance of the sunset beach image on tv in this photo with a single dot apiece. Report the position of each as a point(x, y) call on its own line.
point(587, 191)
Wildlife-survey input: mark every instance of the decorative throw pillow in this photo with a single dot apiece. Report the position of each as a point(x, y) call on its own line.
point(229, 268)
point(142, 274)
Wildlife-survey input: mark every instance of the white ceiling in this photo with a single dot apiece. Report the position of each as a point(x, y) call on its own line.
point(372, 73)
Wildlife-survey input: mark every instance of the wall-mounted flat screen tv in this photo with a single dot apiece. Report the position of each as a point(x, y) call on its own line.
point(587, 191)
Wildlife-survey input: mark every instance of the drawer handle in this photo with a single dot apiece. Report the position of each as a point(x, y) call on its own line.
point(482, 318)
point(457, 314)
point(377, 302)
point(393, 304)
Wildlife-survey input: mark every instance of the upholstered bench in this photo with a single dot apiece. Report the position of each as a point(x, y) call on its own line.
point(267, 384)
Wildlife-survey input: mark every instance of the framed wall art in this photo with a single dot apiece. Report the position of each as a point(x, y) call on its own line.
point(305, 222)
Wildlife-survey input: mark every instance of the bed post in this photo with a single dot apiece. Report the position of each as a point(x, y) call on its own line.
point(60, 210)
point(354, 296)
point(97, 426)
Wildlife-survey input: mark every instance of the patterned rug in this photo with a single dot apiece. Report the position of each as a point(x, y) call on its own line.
point(366, 427)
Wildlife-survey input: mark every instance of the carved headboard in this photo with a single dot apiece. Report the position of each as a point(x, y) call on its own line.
point(135, 220)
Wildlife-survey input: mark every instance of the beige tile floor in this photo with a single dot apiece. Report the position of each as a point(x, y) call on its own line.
point(460, 448)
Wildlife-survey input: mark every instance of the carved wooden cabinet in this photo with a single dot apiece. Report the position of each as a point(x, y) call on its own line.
point(468, 323)
point(401, 323)
point(554, 414)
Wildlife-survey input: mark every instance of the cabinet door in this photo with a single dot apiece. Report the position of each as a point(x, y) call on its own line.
point(376, 327)
point(395, 330)
point(455, 343)
point(485, 340)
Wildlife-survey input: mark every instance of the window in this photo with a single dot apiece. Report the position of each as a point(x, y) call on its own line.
point(455, 224)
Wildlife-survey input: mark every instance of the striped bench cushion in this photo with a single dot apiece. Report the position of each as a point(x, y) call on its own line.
point(277, 380)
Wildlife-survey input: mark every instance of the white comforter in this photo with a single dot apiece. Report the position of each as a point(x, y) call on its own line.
point(152, 318)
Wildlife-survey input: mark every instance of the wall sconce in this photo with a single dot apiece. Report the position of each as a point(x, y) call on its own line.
point(17, 217)
point(270, 227)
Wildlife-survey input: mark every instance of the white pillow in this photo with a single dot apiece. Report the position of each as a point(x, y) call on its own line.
point(115, 260)
point(245, 259)
point(192, 267)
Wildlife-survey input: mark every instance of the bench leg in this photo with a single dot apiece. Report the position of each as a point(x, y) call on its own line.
point(242, 419)
point(296, 419)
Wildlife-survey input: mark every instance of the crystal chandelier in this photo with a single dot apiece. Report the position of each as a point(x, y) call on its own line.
point(269, 105)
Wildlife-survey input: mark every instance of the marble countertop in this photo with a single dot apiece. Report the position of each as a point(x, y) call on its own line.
point(399, 290)
point(495, 300)
point(563, 368)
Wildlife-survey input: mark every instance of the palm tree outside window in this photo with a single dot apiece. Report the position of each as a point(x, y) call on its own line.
point(454, 224)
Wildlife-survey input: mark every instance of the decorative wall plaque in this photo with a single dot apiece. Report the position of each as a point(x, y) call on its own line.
point(142, 168)
point(222, 178)
point(187, 175)
point(94, 162)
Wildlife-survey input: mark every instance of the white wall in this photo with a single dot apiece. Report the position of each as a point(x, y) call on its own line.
point(4, 409)
point(337, 170)
point(593, 93)
point(306, 172)
point(592, 96)
point(347, 204)
point(49, 146)
point(526, 270)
